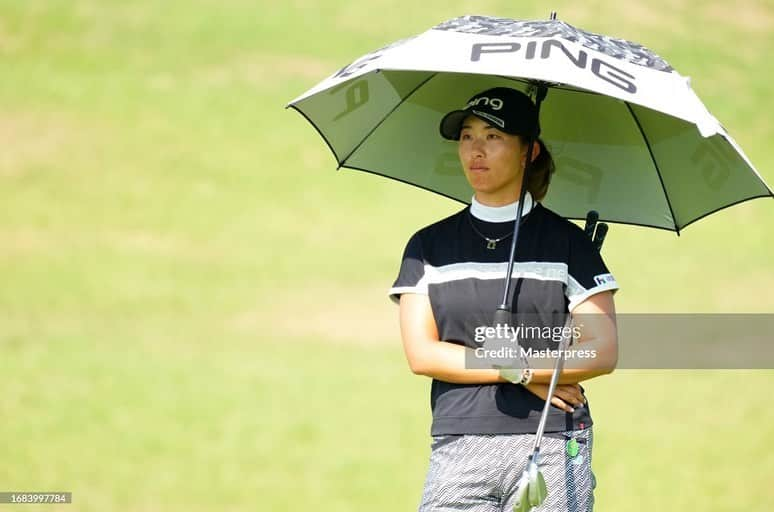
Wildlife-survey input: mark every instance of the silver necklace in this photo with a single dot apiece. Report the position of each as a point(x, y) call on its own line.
point(491, 243)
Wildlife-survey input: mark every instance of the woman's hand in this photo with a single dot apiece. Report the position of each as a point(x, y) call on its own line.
point(566, 396)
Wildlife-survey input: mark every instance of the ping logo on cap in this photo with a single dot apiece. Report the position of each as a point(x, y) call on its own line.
point(493, 103)
point(510, 110)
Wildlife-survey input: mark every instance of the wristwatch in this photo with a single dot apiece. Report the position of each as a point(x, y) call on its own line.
point(521, 376)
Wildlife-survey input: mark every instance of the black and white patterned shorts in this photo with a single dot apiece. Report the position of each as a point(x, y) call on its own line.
point(479, 473)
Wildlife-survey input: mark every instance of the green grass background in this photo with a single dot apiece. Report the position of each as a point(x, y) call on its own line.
point(192, 301)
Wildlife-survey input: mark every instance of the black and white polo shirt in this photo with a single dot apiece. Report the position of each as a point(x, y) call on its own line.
point(556, 269)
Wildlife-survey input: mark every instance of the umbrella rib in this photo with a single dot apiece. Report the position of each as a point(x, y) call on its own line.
point(560, 87)
point(377, 125)
point(716, 210)
point(655, 164)
point(317, 128)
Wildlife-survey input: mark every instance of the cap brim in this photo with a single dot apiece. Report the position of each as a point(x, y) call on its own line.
point(451, 124)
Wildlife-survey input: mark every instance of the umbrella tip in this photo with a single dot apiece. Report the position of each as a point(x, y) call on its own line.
point(552, 16)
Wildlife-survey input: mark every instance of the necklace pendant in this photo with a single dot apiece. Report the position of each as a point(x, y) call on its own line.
point(491, 244)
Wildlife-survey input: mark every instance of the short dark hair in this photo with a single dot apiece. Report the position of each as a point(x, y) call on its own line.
point(541, 170)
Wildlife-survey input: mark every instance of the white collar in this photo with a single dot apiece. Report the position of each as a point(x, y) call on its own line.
point(500, 213)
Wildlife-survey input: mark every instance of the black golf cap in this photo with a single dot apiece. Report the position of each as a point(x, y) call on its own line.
point(506, 109)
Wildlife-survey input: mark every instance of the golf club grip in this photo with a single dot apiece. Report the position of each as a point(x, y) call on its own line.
point(591, 221)
point(502, 317)
point(599, 236)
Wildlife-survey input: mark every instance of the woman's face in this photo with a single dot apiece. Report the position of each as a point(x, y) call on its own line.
point(493, 161)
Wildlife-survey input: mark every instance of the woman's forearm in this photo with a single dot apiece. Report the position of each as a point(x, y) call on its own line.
point(449, 362)
point(589, 359)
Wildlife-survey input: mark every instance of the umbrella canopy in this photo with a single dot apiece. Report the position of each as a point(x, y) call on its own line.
point(629, 136)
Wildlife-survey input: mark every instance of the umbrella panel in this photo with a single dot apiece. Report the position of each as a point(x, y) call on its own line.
point(407, 146)
point(633, 164)
point(701, 175)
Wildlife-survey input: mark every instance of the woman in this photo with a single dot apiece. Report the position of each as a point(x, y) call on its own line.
point(450, 283)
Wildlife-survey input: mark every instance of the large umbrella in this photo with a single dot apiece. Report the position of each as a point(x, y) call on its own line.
point(629, 136)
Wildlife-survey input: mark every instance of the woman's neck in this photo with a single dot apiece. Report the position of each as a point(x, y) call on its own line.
point(499, 213)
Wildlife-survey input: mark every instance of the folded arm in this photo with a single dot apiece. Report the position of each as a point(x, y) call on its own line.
point(428, 355)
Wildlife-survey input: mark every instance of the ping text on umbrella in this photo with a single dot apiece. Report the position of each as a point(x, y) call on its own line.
point(600, 68)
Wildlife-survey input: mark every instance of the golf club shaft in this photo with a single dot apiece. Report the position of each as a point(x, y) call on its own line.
point(552, 385)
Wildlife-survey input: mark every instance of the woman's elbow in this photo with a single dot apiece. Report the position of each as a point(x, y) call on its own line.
point(418, 370)
point(607, 369)
point(609, 358)
point(417, 364)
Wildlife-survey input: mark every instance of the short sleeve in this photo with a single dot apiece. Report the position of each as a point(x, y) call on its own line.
point(587, 273)
point(412, 271)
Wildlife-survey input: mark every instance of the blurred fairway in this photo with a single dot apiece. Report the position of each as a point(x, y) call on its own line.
point(193, 310)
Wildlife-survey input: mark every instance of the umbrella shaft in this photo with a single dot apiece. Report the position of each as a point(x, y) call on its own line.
point(512, 257)
point(540, 94)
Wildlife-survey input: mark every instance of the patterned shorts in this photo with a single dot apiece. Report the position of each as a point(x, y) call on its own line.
point(479, 473)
